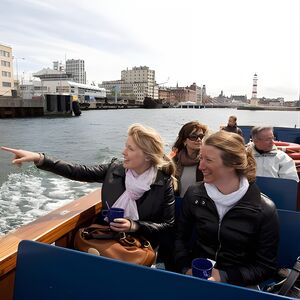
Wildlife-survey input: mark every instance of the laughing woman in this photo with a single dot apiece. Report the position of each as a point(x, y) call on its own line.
point(232, 222)
point(142, 184)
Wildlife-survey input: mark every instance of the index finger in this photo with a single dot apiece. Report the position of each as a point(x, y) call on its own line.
point(12, 150)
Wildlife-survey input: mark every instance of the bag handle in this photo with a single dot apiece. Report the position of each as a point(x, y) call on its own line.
point(291, 279)
point(92, 232)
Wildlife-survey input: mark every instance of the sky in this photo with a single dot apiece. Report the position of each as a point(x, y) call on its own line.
point(217, 43)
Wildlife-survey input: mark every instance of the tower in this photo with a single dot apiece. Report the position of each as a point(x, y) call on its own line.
point(254, 87)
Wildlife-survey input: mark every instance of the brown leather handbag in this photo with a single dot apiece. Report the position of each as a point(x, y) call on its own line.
point(101, 240)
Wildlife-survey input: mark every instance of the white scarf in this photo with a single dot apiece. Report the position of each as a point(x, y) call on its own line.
point(136, 185)
point(225, 202)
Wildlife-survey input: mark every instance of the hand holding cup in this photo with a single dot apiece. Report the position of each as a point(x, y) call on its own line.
point(202, 268)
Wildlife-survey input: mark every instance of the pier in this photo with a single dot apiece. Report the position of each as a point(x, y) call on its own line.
point(20, 108)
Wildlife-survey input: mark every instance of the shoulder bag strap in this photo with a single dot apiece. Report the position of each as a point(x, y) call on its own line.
point(291, 279)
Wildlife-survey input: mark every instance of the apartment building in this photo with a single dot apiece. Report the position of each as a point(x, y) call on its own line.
point(135, 84)
point(143, 81)
point(6, 71)
point(77, 69)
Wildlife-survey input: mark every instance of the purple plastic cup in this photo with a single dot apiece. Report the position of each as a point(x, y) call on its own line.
point(202, 268)
point(113, 213)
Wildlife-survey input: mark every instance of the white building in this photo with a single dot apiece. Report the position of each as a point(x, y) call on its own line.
point(6, 71)
point(77, 69)
point(56, 82)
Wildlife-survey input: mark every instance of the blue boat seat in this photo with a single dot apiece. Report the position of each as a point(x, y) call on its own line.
point(49, 272)
point(289, 244)
point(283, 192)
point(291, 135)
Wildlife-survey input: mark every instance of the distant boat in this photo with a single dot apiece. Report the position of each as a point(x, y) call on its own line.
point(152, 103)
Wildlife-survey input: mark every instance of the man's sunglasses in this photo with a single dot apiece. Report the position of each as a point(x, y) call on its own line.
point(195, 137)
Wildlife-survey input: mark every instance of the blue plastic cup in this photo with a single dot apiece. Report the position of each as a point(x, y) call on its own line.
point(113, 213)
point(202, 268)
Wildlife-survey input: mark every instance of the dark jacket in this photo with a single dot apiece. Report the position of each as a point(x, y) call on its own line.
point(244, 244)
point(156, 207)
point(233, 129)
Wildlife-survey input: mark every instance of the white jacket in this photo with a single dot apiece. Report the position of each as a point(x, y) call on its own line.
point(275, 163)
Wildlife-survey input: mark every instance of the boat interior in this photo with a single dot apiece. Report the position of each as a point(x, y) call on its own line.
point(37, 260)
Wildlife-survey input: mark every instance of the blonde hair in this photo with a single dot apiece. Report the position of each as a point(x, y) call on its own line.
point(151, 143)
point(234, 153)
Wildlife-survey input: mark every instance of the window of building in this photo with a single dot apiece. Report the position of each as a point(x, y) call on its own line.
point(4, 53)
point(6, 84)
point(6, 74)
point(5, 63)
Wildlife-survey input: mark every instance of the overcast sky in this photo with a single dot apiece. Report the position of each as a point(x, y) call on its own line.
point(219, 43)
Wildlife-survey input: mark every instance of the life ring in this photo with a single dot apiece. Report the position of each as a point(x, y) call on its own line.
point(287, 147)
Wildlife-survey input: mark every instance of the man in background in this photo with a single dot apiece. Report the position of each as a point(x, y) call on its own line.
point(271, 162)
point(232, 126)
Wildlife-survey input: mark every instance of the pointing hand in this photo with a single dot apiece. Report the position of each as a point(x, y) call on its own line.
point(22, 155)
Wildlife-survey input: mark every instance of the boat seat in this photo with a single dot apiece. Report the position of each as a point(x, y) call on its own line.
point(289, 244)
point(283, 192)
point(51, 272)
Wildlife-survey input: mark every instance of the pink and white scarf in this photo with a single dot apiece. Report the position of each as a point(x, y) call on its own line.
point(136, 185)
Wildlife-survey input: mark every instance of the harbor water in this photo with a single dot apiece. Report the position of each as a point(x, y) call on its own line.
point(27, 193)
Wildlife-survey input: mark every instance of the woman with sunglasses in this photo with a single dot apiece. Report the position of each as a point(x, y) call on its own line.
point(186, 153)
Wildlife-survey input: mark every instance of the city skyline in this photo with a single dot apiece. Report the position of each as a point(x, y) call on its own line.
point(217, 43)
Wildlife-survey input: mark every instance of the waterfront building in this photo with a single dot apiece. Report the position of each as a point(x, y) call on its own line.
point(143, 82)
point(239, 98)
point(271, 102)
point(6, 71)
point(77, 69)
point(175, 95)
point(199, 92)
point(135, 84)
point(56, 82)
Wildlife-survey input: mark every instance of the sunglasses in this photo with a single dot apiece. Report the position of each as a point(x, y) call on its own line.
point(195, 137)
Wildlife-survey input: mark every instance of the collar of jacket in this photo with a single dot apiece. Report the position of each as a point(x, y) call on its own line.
point(251, 200)
point(273, 152)
point(120, 171)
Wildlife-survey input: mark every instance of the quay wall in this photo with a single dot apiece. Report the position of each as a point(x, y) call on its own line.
point(19, 108)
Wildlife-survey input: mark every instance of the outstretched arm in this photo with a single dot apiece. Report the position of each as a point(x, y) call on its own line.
point(22, 156)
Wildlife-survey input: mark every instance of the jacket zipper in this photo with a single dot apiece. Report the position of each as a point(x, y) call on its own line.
point(219, 227)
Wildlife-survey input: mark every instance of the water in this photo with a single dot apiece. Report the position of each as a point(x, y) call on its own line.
point(27, 193)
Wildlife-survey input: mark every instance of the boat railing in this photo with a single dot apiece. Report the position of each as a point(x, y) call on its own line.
point(56, 227)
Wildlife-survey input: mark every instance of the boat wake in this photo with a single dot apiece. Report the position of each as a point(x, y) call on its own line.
point(29, 195)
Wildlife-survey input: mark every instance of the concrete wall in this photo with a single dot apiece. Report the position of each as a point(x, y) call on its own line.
point(19, 102)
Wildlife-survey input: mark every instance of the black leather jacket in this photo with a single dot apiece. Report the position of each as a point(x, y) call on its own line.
point(156, 207)
point(243, 244)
